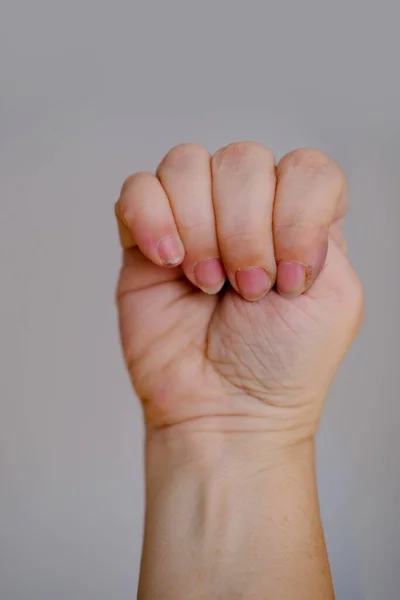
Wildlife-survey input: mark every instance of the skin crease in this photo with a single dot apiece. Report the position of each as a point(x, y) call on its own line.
point(219, 363)
point(244, 356)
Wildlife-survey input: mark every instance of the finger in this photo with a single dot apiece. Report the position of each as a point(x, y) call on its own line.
point(185, 174)
point(337, 231)
point(145, 219)
point(138, 273)
point(310, 199)
point(243, 177)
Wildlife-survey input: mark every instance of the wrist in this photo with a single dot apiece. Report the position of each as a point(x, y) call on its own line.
point(235, 514)
point(228, 455)
point(268, 427)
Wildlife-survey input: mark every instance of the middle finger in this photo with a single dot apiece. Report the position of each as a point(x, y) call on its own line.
point(244, 181)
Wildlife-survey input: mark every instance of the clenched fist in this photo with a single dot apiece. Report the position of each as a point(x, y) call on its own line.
point(236, 299)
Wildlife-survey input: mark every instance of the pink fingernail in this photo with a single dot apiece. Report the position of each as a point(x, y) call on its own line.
point(171, 250)
point(253, 282)
point(291, 278)
point(210, 275)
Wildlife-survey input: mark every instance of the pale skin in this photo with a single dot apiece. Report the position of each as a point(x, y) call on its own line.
point(237, 303)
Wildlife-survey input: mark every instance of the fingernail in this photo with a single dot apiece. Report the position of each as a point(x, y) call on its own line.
point(291, 278)
point(171, 250)
point(210, 275)
point(253, 282)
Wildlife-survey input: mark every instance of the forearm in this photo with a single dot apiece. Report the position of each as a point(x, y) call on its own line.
point(228, 518)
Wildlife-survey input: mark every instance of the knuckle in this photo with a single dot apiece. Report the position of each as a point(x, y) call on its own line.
point(242, 242)
point(183, 156)
point(297, 225)
point(312, 162)
point(237, 238)
point(133, 181)
point(134, 187)
point(241, 249)
point(239, 154)
point(122, 207)
point(307, 159)
point(199, 230)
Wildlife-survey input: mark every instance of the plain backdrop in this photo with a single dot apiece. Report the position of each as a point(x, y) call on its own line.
point(91, 91)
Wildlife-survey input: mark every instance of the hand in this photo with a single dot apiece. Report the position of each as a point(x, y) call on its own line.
point(236, 299)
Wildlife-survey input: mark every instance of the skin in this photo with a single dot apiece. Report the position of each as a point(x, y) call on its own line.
point(232, 360)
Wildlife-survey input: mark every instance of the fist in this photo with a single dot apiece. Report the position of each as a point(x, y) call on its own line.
point(236, 299)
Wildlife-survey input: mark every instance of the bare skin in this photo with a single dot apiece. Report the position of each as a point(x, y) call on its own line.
point(237, 304)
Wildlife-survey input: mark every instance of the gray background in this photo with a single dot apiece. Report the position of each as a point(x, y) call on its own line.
point(91, 91)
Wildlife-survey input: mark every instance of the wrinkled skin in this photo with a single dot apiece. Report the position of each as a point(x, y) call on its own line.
point(218, 360)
